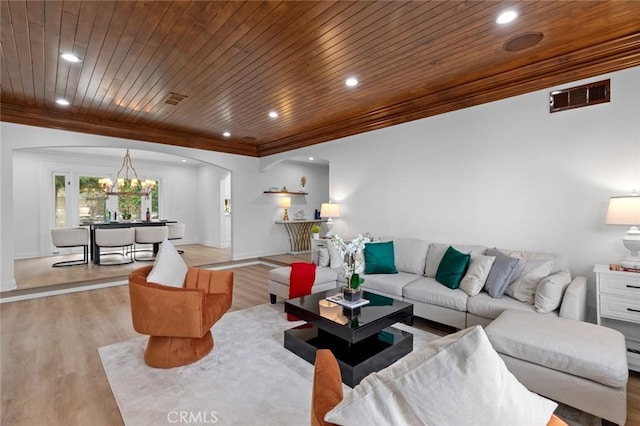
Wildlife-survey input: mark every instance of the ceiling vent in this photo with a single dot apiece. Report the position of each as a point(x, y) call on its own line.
point(174, 98)
point(580, 96)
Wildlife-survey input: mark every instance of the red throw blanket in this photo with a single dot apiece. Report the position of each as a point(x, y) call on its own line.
point(300, 281)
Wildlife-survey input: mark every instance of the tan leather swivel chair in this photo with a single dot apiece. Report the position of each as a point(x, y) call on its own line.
point(179, 320)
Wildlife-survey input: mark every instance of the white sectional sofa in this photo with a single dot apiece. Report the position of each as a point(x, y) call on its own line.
point(417, 263)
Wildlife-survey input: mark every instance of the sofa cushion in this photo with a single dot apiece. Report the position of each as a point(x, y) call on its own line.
point(335, 259)
point(500, 273)
point(452, 268)
point(428, 290)
point(323, 257)
point(410, 254)
point(526, 277)
point(560, 261)
point(436, 253)
point(389, 283)
point(576, 347)
point(550, 291)
point(379, 258)
point(455, 380)
point(323, 275)
point(486, 306)
point(476, 276)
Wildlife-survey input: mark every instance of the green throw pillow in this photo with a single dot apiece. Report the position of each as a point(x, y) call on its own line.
point(452, 268)
point(379, 258)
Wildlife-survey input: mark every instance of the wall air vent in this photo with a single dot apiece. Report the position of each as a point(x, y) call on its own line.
point(580, 96)
point(174, 98)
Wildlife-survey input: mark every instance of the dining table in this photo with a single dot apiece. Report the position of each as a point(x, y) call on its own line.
point(94, 249)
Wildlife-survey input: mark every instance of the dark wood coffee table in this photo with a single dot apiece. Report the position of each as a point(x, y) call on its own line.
point(361, 339)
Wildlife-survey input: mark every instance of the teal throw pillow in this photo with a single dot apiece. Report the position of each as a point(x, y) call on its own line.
point(379, 258)
point(452, 268)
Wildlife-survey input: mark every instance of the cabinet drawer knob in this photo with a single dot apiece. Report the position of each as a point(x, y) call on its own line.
point(633, 286)
point(633, 310)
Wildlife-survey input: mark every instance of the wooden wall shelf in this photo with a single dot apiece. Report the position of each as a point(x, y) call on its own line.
point(286, 192)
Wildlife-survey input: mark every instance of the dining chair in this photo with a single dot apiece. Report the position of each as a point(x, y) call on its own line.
point(176, 232)
point(71, 237)
point(149, 235)
point(118, 237)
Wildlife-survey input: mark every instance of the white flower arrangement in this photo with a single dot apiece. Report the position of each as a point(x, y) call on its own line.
point(352, 253)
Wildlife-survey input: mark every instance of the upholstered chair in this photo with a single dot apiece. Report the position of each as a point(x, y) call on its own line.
point(110, 238)
point(176, 232)
point(179, 320)
point(71, 237)
point(149, 235)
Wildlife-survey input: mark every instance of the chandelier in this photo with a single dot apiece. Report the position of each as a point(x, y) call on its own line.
point(136, 186)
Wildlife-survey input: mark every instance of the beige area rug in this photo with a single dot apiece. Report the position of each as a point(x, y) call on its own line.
point(249, 378)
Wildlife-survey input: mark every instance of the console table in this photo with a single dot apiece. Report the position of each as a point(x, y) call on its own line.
point(299, 235)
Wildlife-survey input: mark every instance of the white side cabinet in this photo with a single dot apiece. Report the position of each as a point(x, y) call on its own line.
point(618, 305)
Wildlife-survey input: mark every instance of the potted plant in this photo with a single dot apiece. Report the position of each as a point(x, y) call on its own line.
point(315, 231)
point(353, 264)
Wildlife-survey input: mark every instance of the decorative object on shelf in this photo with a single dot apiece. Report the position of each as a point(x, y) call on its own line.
point(625, 210)
point(303, 182)
point(329, 210)
point(299, 215)
point(285, 203)
point(315, 231)
point(134, 186)
point(353, 264)
point(273, 189)
point(284, 189)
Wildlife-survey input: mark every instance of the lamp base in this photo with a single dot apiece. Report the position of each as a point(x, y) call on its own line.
point(631, 242)
point(631, 262)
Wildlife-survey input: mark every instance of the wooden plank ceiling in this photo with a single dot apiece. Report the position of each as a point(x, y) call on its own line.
point(235, 61)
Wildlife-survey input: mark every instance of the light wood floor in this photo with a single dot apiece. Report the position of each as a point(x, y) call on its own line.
point(50, 371)
point(38, 272)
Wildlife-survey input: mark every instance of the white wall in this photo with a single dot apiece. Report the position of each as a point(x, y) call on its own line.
point(252, 227)
point(33, 200)
point(506, 174)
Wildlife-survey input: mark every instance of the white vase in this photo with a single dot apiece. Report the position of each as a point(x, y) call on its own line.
point(315, 235)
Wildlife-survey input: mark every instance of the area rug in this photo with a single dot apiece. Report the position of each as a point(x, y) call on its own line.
point(248, 378)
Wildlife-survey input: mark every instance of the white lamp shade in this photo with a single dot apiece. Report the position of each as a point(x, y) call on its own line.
point(624, 211)
point(285, 202)
point(330, 210)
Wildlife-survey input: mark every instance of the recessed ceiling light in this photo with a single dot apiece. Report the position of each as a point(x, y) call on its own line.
point(226, 134)
point(273, 114)
point(351, 82)
point(507, 16)
point(184, 161)
point(311, 158)
point(70, 57)
point(63, 102)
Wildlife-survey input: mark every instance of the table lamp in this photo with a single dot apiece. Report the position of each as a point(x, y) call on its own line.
point(329, 211)
point(285, 203)
point(625, 210)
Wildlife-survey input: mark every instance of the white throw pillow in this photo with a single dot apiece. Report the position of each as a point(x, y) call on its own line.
point(476, 276)
point(334, 255)
point(168, 268)
point(526, 277)
point(323, 257)
point(550, 291)
point(455, 380)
